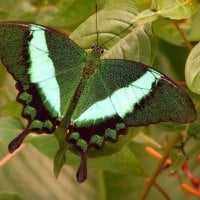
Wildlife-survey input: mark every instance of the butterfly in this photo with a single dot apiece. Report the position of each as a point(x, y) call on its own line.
point(97, 99)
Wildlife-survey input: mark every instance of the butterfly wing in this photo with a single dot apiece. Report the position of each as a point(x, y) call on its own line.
point(126, 93)
point(47, 67)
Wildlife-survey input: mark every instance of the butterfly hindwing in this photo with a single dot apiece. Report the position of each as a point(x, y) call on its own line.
point(47, 67)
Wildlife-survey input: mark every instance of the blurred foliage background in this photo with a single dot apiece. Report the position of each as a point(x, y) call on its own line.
point(162, 34)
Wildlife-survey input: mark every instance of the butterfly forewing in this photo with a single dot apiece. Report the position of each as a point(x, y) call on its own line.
point(133, 92)
point(46, 65)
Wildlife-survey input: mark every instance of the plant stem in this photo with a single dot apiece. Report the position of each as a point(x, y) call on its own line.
point(189, 46)
point(159, 167)
point(166, 196)
point(185, 194)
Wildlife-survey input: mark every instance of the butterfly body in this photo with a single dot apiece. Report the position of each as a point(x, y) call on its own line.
point(97, 99)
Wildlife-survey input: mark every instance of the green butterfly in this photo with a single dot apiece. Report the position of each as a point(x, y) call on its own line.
point(97, 99)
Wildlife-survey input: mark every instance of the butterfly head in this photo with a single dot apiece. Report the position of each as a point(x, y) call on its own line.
point(97, 51)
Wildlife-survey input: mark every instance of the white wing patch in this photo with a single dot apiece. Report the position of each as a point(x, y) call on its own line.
point(42, 69)
point(120, 102)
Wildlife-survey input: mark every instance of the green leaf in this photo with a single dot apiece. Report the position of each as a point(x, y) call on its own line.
point(118, 36)
point(123, 161)
point(29, 174)
point(3, 76)
point(15, 9)
point(10, 196)
point(71, 13)
point(175, 9)
point(170, 60)
point(166, 29)
point(138, 4)
point(47, 144)
point(60, 157)
point(53, 13)
point(192, 70)
point(146, 16)
point(12, 108)
point(193, 129)
point(122, 186)
point(9, 128)
point(177, 158)
point(59, 160)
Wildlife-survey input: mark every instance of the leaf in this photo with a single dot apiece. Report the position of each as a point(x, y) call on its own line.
point(10, 196)
point(29, 174)
point(165, 29)
point(2, 80)
point(122, 186)
point(123, 161)
point(192, 70)
point(193, 129)
point(15, 9)
point(71, 13)
point(170, 60)
point(146, 16)
point(138, 4)
point(117, 35)
point(177, 158)
point(9, 128)
point(59, 160)
point(12, 108)
point(7, 92)
point(60, 157)
point(175, 9)
point(48, 143)
point(53, 13)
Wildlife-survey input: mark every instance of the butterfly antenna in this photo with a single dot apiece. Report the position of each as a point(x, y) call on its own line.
point(97, 31)
point(117, 35)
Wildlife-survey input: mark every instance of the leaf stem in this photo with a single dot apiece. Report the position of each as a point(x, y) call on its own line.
point(159, 167)
point(189, 46)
